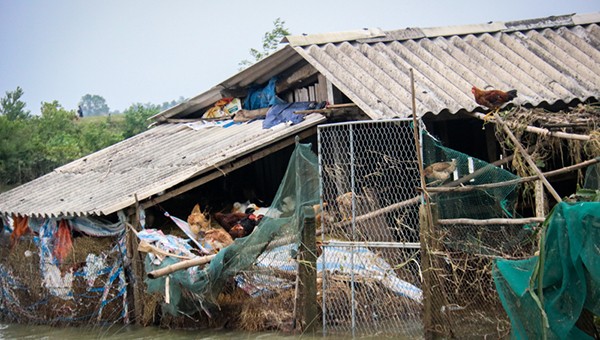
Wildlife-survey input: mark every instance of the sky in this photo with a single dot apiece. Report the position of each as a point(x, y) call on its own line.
point(150, 51)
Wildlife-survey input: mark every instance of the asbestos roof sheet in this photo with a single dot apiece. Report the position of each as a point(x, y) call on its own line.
point(546, 60)
point(144, 165)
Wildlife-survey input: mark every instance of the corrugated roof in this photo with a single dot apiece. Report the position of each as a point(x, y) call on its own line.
point(144, 165)
point(547, 60)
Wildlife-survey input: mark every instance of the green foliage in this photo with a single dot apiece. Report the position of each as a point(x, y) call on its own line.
point(93, 105)
point(12, 107)
point(270, 40)
point(57, 136)
point(31, 146)
point(136, 118)
point(15, 149)
point(100, 133)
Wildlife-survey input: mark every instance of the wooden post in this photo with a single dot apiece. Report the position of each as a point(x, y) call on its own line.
point(427, 274)
point(137, 268)
point(322, 92)
point(307, 273)
point(435, 324)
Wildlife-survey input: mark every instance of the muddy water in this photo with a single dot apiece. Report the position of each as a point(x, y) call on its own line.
point(16, 331)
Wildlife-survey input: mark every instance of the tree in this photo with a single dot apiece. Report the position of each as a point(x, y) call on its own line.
point(58, 136)
point(97, 135)
point(93, 105)
point(270, 40)
point(136, 118)
point(12, 107)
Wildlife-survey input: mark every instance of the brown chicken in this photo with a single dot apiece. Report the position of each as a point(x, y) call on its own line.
point(228, 220)
point(440, 171)
point(198, 221)
point(492, 99)
point(217, 238)
point(245, 226)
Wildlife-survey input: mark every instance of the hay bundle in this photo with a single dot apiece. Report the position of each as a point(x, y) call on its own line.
point(266, 313)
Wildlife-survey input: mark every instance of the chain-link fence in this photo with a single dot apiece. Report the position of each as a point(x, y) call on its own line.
point(370, 238)
point(389, 275)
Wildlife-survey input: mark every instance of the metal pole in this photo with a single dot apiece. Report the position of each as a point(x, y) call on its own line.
point(323, 272)
point(352, 189)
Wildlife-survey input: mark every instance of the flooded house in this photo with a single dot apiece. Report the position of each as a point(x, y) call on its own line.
point(331, 142)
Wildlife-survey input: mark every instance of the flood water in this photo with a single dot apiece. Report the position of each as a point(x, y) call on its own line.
point(17, 331)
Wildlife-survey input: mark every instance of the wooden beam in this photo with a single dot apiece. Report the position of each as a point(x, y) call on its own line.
point(296, 78)
point(225, 168)
point(534, 129)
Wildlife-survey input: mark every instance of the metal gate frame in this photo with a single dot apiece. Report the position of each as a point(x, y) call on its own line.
point(359, 135)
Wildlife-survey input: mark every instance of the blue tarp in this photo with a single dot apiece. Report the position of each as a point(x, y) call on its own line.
point(282, 113)
point(261, 97)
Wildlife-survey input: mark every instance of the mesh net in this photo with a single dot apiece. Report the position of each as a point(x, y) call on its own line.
point(258, 262)
point(87, 286)
point(464, 299)
point(554, 295)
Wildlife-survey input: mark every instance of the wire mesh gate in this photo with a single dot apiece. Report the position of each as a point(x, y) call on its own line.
point(371, 282)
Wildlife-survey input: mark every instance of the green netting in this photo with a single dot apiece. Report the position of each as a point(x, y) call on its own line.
point(197, 288)
point(569, 269)
point(478, 204)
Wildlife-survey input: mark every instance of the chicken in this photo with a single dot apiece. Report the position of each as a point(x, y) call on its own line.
point(264, 211)
point(198, 221)
point(344, 203)
point(322, 215)
point(492, 99)
point(245, 226)
point(217, 238)
point(228, 220)
point(240, 207)
point(440, 171)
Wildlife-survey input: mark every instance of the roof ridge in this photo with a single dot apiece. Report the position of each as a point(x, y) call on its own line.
point(377, 35)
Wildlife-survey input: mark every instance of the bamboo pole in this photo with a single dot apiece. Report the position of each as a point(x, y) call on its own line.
point(537, 130)
point(491, 221)
point(197, 261)
point(517, 180)
point(527, 157)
